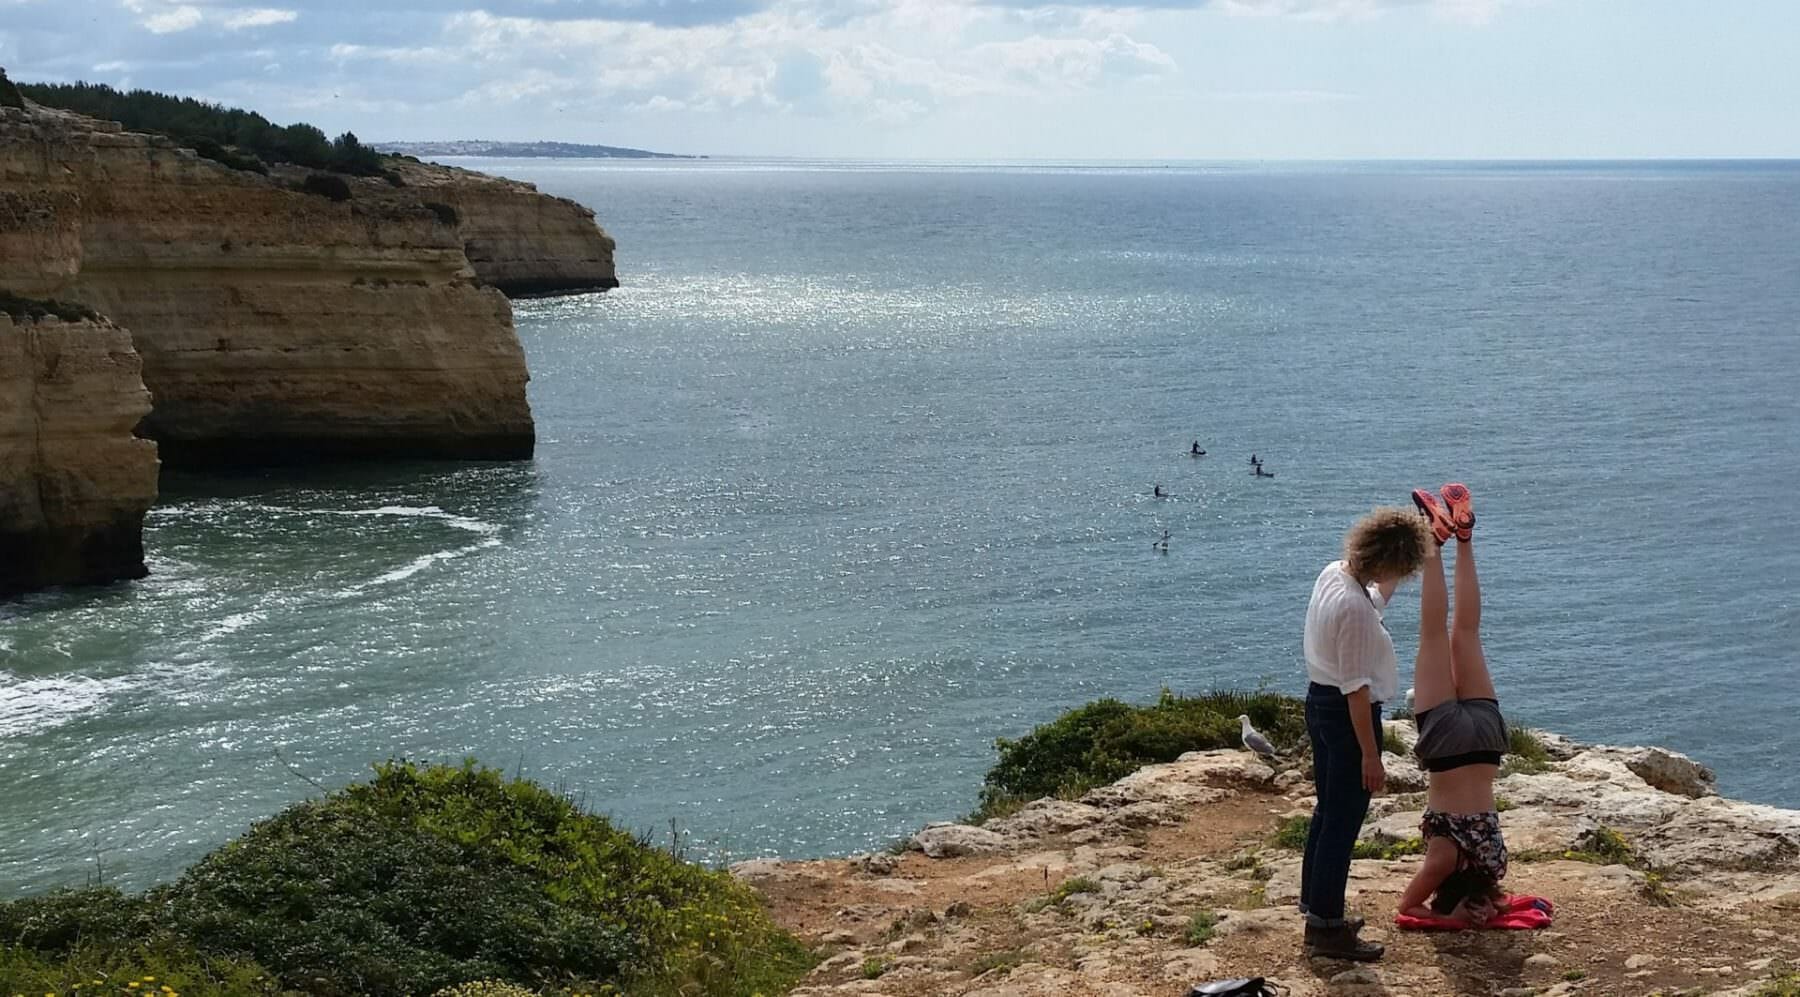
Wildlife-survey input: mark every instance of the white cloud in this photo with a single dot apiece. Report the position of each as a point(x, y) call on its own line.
point(258, 17)
point(173, 19)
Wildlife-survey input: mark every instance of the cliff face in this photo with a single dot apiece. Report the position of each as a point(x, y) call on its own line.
point(74, 482)
point(517, 239)
point(274, 326)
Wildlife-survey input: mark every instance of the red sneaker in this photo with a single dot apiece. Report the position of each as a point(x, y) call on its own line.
point(1462, 508)
point(1434, 513)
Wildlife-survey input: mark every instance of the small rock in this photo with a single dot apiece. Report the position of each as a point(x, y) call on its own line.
point(1639, 961)
point(755, 869)
point(960, 908)
point(942, 841)
point(911, 943)
point(876, 863)
point(1289, 778)
point(842, 936)
point(1361, 974)
point(843, 960)
point(1758, 965)
point(1543, 960)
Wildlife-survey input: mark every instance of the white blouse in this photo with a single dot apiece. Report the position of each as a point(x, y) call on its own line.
point(1347, 645)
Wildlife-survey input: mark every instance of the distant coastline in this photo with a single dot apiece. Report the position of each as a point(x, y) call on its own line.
point(523, 150)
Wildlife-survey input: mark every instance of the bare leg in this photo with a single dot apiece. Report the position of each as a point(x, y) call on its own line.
point(1466, 656)
point(1440, 862)
point(1433, 681)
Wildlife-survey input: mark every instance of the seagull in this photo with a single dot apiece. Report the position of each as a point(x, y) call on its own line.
point(1253, 738)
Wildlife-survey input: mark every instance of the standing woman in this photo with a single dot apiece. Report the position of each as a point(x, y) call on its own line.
point(1350, 662)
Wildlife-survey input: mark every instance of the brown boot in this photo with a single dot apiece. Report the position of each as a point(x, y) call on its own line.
point(1340, 943)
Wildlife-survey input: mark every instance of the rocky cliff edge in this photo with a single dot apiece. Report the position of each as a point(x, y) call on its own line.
point(1179, 873)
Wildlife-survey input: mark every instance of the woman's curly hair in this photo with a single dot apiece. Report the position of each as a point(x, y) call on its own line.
point(1389, 542)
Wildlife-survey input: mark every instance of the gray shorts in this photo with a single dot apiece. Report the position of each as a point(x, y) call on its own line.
point(1461, 732)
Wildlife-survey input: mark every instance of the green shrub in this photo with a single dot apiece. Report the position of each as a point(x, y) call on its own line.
point(1106, 740)
point(1200, 928)
point(427, 877)
point(874, 966)
point(238, 138)
point(9, 94)
point(326, 185)
point(1390, 742)
point(1603, 846)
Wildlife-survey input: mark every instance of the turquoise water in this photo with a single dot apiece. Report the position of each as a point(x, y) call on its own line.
point(854, 475)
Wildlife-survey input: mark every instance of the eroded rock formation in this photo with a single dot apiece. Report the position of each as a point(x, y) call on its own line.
point(74, 481)
point(517, 239)
point(274, 325)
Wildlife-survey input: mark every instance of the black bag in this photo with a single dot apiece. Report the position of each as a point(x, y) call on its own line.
point(1254, 986)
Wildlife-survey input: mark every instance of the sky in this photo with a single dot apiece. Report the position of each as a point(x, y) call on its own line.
point(970, 79)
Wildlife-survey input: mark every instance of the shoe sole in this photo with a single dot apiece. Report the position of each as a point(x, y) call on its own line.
point(1441, 525)
point(1462, 508)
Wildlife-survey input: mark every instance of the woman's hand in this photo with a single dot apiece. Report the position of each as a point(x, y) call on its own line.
point(1374, 774)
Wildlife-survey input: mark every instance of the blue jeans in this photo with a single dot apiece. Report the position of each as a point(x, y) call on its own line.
point(1343, 803)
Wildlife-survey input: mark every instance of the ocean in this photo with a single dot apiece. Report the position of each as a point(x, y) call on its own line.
point(854, 475)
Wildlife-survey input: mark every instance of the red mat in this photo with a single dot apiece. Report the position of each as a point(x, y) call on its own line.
point(1517, 913)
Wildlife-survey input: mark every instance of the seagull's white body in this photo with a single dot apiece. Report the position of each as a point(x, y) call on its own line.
point(1253, 738)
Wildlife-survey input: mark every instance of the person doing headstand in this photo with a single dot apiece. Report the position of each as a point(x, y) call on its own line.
point(1462, 735)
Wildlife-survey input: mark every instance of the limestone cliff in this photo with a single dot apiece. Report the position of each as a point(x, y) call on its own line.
point(273, 325)
point(74, 482)
point(517, 239)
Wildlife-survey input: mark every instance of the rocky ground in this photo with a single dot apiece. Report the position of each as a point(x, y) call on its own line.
point(1173, 876)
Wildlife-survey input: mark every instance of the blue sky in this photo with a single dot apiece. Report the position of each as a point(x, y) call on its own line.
point(971, 79)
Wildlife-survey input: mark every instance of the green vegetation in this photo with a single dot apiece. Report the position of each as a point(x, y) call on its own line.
point(1525, 754)
point(326, 185)
point(1291, 834)
point(485, 988)
point(1200, 928)
point(1575, 975)
point(1604, 846)
point(1106, 740)
point(1502, 804)
point(9, 94)
point(102, 969)
point(424, 877)
point(874, 966)
point(1390, 742)
point(239, 139)
point(31, 308)
point(1070, 887)
point(1003, 962)
point(1783, 984)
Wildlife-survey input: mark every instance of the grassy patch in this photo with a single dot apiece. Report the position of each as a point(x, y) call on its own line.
point(1785, 984)
point(1502, 804)
point(431, 876)
point(486, 988)
point(1003, 962)
point(1069, 887)
point(1106, 740)
point(112, 969)
point(1525, 754)
point(1575, 975)
point(1604, 846)
point(1291, 834)
point(875, 966)
point(1391, 850)
point(1200, 928)
point(1391, 742)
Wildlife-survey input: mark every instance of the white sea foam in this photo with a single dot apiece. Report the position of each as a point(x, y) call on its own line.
point(233, 623)
point(31, 705)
